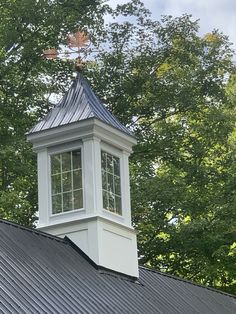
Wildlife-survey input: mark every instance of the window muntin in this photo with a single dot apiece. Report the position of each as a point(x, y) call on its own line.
point(66, 182)
point(111, 189)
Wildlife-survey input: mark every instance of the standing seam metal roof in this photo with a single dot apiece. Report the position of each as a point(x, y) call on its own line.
point(40, 273)
point(79, 103)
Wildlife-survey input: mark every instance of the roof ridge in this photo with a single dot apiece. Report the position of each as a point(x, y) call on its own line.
point(32, 230)
point(92, 96)
point(85, 84)
point(187, 281)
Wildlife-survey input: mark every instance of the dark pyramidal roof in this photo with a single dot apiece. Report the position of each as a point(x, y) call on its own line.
point(79, 103)
point(45, 274)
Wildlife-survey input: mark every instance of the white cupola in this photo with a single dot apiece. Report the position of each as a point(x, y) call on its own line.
point(83, 178)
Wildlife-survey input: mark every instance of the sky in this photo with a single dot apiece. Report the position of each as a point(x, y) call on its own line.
point(213, 14)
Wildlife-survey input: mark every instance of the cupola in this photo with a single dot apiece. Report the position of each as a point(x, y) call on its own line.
point(83, 178)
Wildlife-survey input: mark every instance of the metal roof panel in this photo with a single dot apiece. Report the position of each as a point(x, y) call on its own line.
point(40, 273)
point(79, 103)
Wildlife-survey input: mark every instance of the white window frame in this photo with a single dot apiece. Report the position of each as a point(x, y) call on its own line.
point(116, 153)
point(59, 149)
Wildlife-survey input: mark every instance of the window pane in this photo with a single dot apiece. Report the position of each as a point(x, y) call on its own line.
point(103, 157)
point(110, 185)
point(105, 199)
point(56, 184)
point(66, 181)
point(109, 164)
point(76, 158)
point(116, 163)
point(104, 180)
point(78, 199)
point(56, 164)
point(111, 202)
point(56, 204)
point(117, 185)
point(118, 204)
point(66, 161)
point(77, 179)
point(67, 201)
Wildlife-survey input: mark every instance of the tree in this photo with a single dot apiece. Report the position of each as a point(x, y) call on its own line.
point(169, 85)
point(27, 80)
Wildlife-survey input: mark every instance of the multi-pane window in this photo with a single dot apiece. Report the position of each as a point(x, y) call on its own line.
point(111, 189)
point(66, 181)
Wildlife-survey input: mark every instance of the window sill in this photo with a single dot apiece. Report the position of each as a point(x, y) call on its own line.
point(67, 213)
point(110, 214)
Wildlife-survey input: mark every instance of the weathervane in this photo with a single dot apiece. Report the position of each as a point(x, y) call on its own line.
point(77, 43)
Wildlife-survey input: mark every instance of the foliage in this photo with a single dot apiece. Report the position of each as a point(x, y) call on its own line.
point(166, 82)
point(169, 85)
point(27, 27)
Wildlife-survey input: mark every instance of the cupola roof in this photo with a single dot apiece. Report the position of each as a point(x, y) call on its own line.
point(79, 103)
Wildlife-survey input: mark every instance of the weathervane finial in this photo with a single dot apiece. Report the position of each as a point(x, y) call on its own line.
point(77, 43)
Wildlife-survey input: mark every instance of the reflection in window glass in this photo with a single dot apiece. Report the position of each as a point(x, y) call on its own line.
point(78, 199)
point(67, 201)
point(76, 159)
point(66, 182)
point(111, 190)
point(56, 184)
point(56, 164)
point(77, 179)
point(66, 161)
point(57, 203)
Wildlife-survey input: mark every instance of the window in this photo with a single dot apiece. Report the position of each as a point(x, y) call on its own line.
point(111, 189)
point(66, 182)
